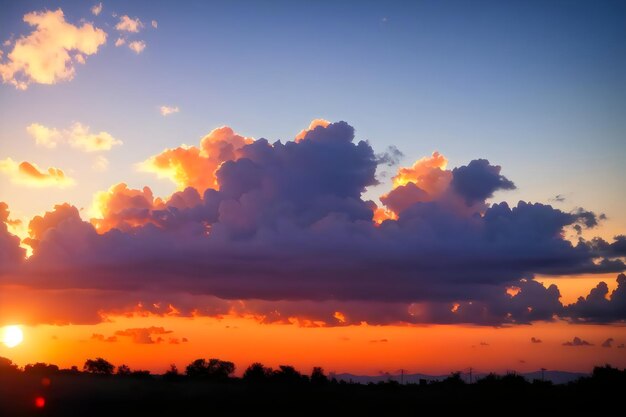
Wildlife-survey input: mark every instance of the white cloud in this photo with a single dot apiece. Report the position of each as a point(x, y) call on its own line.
point(120, 41)
point(77, 136)
point(100, 164)
point(127, 24)
point(81, 138)
point(155, 24)
point(96, 9)
point(44, 55)
point(167, 110)
point(137, 46)
point(44, 136)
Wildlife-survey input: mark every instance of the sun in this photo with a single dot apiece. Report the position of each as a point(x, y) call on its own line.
point(12, 336)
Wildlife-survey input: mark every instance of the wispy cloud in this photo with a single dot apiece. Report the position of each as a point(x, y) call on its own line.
point(167, 110)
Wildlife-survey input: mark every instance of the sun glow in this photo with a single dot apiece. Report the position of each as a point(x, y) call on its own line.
point(12, 336)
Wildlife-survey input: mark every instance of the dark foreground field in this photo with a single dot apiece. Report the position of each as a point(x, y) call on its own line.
point(83, 394)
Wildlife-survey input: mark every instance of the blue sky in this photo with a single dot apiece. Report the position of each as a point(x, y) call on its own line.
point(537, 87)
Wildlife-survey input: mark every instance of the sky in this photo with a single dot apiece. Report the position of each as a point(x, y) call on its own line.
point(364, 186)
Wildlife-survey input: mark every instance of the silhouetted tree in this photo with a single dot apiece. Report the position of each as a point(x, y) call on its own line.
point(172, 373)
point(123, 370)
point(318, 377)
point(287, 374)
point(211, 369)
point(7, 366)
point(257, 373)
point(98, 366)
point(41, 368)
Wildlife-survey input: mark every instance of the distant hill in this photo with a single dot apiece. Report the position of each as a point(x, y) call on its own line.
point(557, 377)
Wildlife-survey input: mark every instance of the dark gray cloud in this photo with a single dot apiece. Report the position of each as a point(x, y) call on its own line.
point(478, 180)
point(289, 232)
point(597, 308)
point(577, 341)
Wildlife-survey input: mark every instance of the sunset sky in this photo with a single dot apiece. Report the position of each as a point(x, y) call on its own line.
point(363, 186)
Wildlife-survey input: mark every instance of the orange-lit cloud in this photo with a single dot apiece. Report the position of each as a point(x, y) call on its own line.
point(128, 24)
point(191, 166)
point(167, 110)
point(26, 173)
point(123, 208)
point(137, 46)
point(315, 123)
point(47, 55)
point(144, 335)
point(425, 180)
point(77, 136)
point(120, 41)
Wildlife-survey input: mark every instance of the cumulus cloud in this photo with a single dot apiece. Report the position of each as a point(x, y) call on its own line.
point(577, 341)
point(597, 307)
point(190, 166)
point(44, 136)
point(167, 110)
point(128, 24)
point(46, 56)
point(96, 9)
point(29, 174)
point(137, 46)
point(315, 123)
point(280, 231)
point(77, 136)
point(479, 180)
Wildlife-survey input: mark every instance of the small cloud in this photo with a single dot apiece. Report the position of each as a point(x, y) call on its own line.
point(81, 138)
point(101, 338)
point(379, 341)
point(559, 198)
point(484, 344)
point(127, 24)
point(77, 136)
point(185, 340)
point(45, 56)
point(608, 343)
point(535, 340)
point(96, 9)
point(120, 41)
point(29, 174)
point(390, 157)
point(155, 24)
point(577, 341)
point(384, 20)
point(44, 136)
point(100, 164)
point(167, 110)
point(137, 46)
point(144, 335)
point(80, 58)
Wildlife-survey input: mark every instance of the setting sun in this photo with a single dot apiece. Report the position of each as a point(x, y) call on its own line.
point(12, 336)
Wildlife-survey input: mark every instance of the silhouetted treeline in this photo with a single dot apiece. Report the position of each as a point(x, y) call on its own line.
point(208, 387)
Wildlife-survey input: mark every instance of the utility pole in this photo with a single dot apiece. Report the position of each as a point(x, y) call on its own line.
point(401, 376)
point(542, 371)
point(470, 374)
